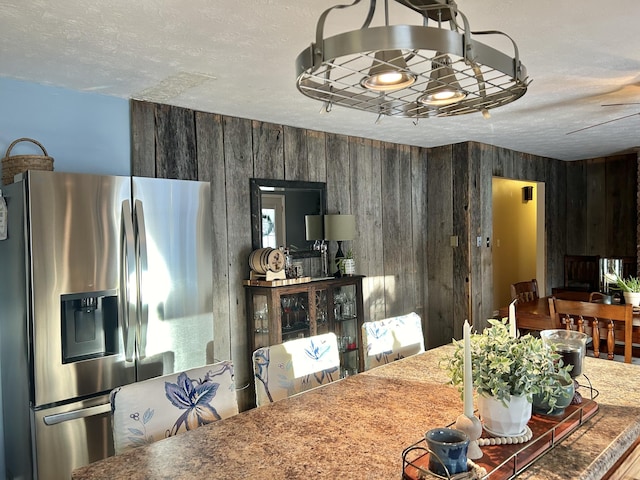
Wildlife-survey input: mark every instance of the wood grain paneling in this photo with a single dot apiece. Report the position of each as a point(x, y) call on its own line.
point(393, 238)
point(596, 206)
point(268, 148)
point(337, 160)
point(503, 162)
point(419, 225)
point(482, 216)
point(620, 218)
point(338, 186)
point(462, 260)
point(238, 158)
point(366, 202)
point(556, 221)
point(143, 143)
point(316, 155)
point(407, 267)
point(601, 219)
point(296, 159)
point(439, 261)
point(176, 143)
point(211, 168)
point(575, 200)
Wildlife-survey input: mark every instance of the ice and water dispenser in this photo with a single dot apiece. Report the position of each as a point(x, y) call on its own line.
point(89, 325)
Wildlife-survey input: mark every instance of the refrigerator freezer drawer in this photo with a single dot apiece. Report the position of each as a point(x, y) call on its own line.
point(70, 436)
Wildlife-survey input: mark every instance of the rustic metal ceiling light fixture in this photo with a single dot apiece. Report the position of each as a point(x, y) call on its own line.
point(412, 71)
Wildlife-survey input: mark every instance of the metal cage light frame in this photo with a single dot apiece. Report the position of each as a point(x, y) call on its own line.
point(332, 70)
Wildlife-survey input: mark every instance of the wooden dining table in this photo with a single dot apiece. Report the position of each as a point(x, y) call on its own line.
point(358, 427)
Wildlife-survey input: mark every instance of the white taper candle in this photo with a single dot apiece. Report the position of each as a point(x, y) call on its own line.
point(512, 319)
point(468, 376)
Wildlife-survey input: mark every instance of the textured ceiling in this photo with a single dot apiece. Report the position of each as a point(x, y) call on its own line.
point(237, 58)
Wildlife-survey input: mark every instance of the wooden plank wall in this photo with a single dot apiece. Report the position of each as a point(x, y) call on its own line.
point(408, 202)
point(602, 218)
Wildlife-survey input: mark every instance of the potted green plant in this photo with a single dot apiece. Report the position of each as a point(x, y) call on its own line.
point(507, 372)
point(630, 287)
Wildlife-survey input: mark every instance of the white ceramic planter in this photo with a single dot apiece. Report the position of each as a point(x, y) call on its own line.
point(348, 266)
point(632, 297)
point(504, 421)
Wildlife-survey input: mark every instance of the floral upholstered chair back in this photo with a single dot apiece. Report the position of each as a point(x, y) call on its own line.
point(295, 366)
point(392, 339)
point(148, 411)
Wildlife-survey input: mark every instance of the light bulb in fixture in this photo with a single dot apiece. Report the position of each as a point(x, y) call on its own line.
point(443, 89)
point(443, 96)
point(388, 73)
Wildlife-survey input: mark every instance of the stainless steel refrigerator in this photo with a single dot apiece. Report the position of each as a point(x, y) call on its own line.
point(104, 281)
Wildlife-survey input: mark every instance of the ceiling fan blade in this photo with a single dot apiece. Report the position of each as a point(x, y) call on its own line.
point(620, 104)
point(603, 123)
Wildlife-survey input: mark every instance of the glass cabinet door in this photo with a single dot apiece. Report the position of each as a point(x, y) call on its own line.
point(260, 321)
point(295, 316)
point(346, 327)
point(322, 314)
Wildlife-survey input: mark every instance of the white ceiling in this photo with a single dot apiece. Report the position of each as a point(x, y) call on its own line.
point(236, 57)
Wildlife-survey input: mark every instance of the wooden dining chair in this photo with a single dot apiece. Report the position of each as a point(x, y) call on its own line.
point(147, 411)
point(391, 339)
point(582, 272)
point(600, 320)
point(292, 367)
point(525, 291)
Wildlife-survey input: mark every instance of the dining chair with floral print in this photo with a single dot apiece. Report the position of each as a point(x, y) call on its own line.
point(147, 411)
point(392, 339)
point(295, 366)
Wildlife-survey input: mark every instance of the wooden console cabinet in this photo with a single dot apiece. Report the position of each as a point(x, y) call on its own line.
point(276, 314)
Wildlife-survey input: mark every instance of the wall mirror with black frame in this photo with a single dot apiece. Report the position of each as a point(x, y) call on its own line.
point(278, 209)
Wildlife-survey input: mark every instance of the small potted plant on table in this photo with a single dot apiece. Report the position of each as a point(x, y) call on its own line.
point(630, 287)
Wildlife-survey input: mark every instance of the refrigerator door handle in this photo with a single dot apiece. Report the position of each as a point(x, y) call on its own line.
point(128, 281)
point(57, 418)
point(141, 254)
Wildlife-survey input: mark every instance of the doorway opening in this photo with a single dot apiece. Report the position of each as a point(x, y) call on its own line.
point(519, 247)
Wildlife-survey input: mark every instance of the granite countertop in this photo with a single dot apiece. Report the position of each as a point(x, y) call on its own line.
point(359, 426)
point(594, 448)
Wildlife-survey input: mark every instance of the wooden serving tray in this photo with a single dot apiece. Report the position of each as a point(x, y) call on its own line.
point(505, 461)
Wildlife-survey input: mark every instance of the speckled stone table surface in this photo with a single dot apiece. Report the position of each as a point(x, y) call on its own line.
point(358, 427)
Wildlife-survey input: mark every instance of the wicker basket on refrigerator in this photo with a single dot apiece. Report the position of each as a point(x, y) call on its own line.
point(13, 165)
